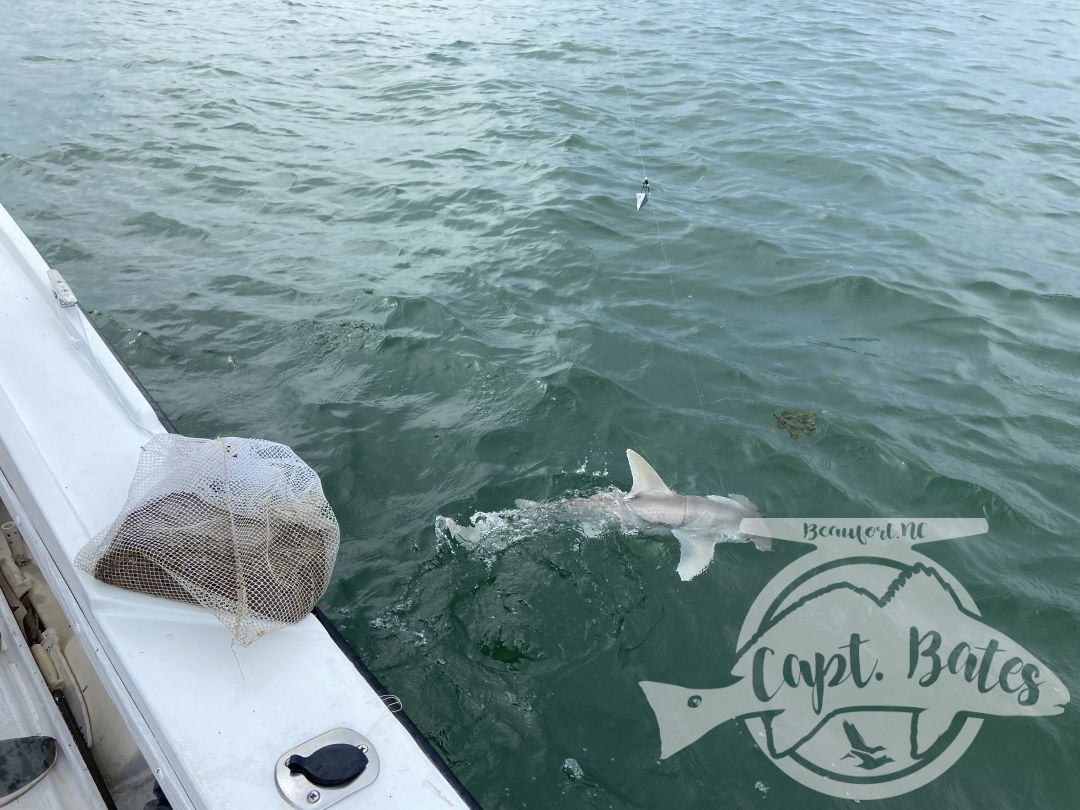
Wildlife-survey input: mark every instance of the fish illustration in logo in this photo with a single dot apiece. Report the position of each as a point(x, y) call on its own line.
point(839, 649)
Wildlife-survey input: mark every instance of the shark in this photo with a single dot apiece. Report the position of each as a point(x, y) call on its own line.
point(652, 507)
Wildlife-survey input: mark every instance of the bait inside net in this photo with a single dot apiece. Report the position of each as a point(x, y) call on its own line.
point(239, 526)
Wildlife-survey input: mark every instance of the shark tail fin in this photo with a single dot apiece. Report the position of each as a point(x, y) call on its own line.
point(645, 477)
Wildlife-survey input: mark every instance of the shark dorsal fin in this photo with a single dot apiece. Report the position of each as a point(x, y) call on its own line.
point(645, 477)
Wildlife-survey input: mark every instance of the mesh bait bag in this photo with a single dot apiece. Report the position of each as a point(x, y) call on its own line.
point(239, 526)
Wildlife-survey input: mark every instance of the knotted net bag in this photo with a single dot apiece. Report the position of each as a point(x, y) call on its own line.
point(239, 526)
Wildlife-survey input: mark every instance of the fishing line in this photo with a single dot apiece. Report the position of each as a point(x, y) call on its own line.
point(663, 252)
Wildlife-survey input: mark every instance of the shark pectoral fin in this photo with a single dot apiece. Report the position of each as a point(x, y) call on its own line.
point(686, 715)
point(645, 477)
point(927, 726)
point(696, 552)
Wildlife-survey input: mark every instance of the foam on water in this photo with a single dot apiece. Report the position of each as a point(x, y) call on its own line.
point(490, 533)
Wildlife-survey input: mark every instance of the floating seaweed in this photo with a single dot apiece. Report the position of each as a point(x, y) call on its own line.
point(797, 423)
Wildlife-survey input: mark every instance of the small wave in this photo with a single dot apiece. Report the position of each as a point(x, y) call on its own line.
point(154, 224)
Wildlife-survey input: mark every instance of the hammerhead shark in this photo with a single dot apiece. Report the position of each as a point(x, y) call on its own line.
point(699, 523)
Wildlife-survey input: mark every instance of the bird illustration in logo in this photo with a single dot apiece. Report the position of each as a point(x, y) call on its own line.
point(862, 751)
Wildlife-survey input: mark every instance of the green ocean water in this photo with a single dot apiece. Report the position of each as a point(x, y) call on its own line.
point(400, 238)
